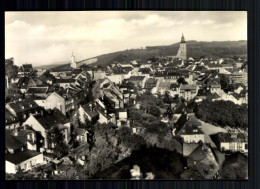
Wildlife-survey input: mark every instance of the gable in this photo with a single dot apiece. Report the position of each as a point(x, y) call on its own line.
point(55, 96)
point(33, 122)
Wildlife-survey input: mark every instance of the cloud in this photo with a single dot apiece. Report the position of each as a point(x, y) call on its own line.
point(46, 37)
point(203, 22)
point(226, 25)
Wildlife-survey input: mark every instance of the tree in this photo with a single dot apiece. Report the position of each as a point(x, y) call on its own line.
point(56, 142)
point(224, 81)
point(235, 57)
point(167, 99)
point(222, 113)
point(182, 81)
point(13, 93)
point(104, 152)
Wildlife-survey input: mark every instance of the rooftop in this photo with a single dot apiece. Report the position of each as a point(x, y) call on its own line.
point(21, 156)
point(136, 78)
point(23, 105)
point(37, 90)
point(188, 87)
point(11, 141)
point(48, 120)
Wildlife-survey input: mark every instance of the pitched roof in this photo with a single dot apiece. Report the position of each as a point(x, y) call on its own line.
point(36, 90)
point(80, 131)
point(145, 70)
point(188, 148)
point(200, 152)
point(164, 85)
point(181, 122)
point(65, 80)
point(22, 135)
point(136, 78)
point(174, 85)
point(237, 85)
point(9, 117)
point(48, 120)
point(21, 156)
point(23, 105)
point(211, 96)
point(87, 109)
point(27, 66)
point(11, 141)
point(188, 87)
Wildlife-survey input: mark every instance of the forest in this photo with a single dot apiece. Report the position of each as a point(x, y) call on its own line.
point(222, 113)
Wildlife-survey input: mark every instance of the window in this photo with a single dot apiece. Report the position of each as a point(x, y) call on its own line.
point(246, 146)
point(232, 146)
point(239, 146)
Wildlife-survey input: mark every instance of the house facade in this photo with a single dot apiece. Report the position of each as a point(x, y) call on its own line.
point(188, 92)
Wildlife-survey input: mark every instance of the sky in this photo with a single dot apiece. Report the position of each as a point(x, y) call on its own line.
point(42, 38)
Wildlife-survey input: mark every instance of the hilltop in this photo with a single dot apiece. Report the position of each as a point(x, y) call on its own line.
point(194, 49)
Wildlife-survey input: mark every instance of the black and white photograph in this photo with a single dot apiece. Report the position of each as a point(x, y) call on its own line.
point(133, 95)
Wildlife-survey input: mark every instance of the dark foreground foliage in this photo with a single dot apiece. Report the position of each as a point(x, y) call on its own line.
point(163, 163)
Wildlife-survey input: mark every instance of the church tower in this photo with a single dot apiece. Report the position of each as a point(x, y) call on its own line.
point(73, 63)
point(182, 52)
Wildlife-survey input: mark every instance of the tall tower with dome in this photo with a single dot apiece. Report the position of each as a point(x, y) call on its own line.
point(182, 52)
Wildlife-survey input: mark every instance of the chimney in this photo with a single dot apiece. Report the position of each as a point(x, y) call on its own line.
point(233, 135)
point(33, 137)
point(15, 132)
point(7, 82)
point(42, 113)
point(90, 106)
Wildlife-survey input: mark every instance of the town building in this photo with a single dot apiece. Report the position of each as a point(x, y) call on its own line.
point(188, 92)
point(231, 141)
